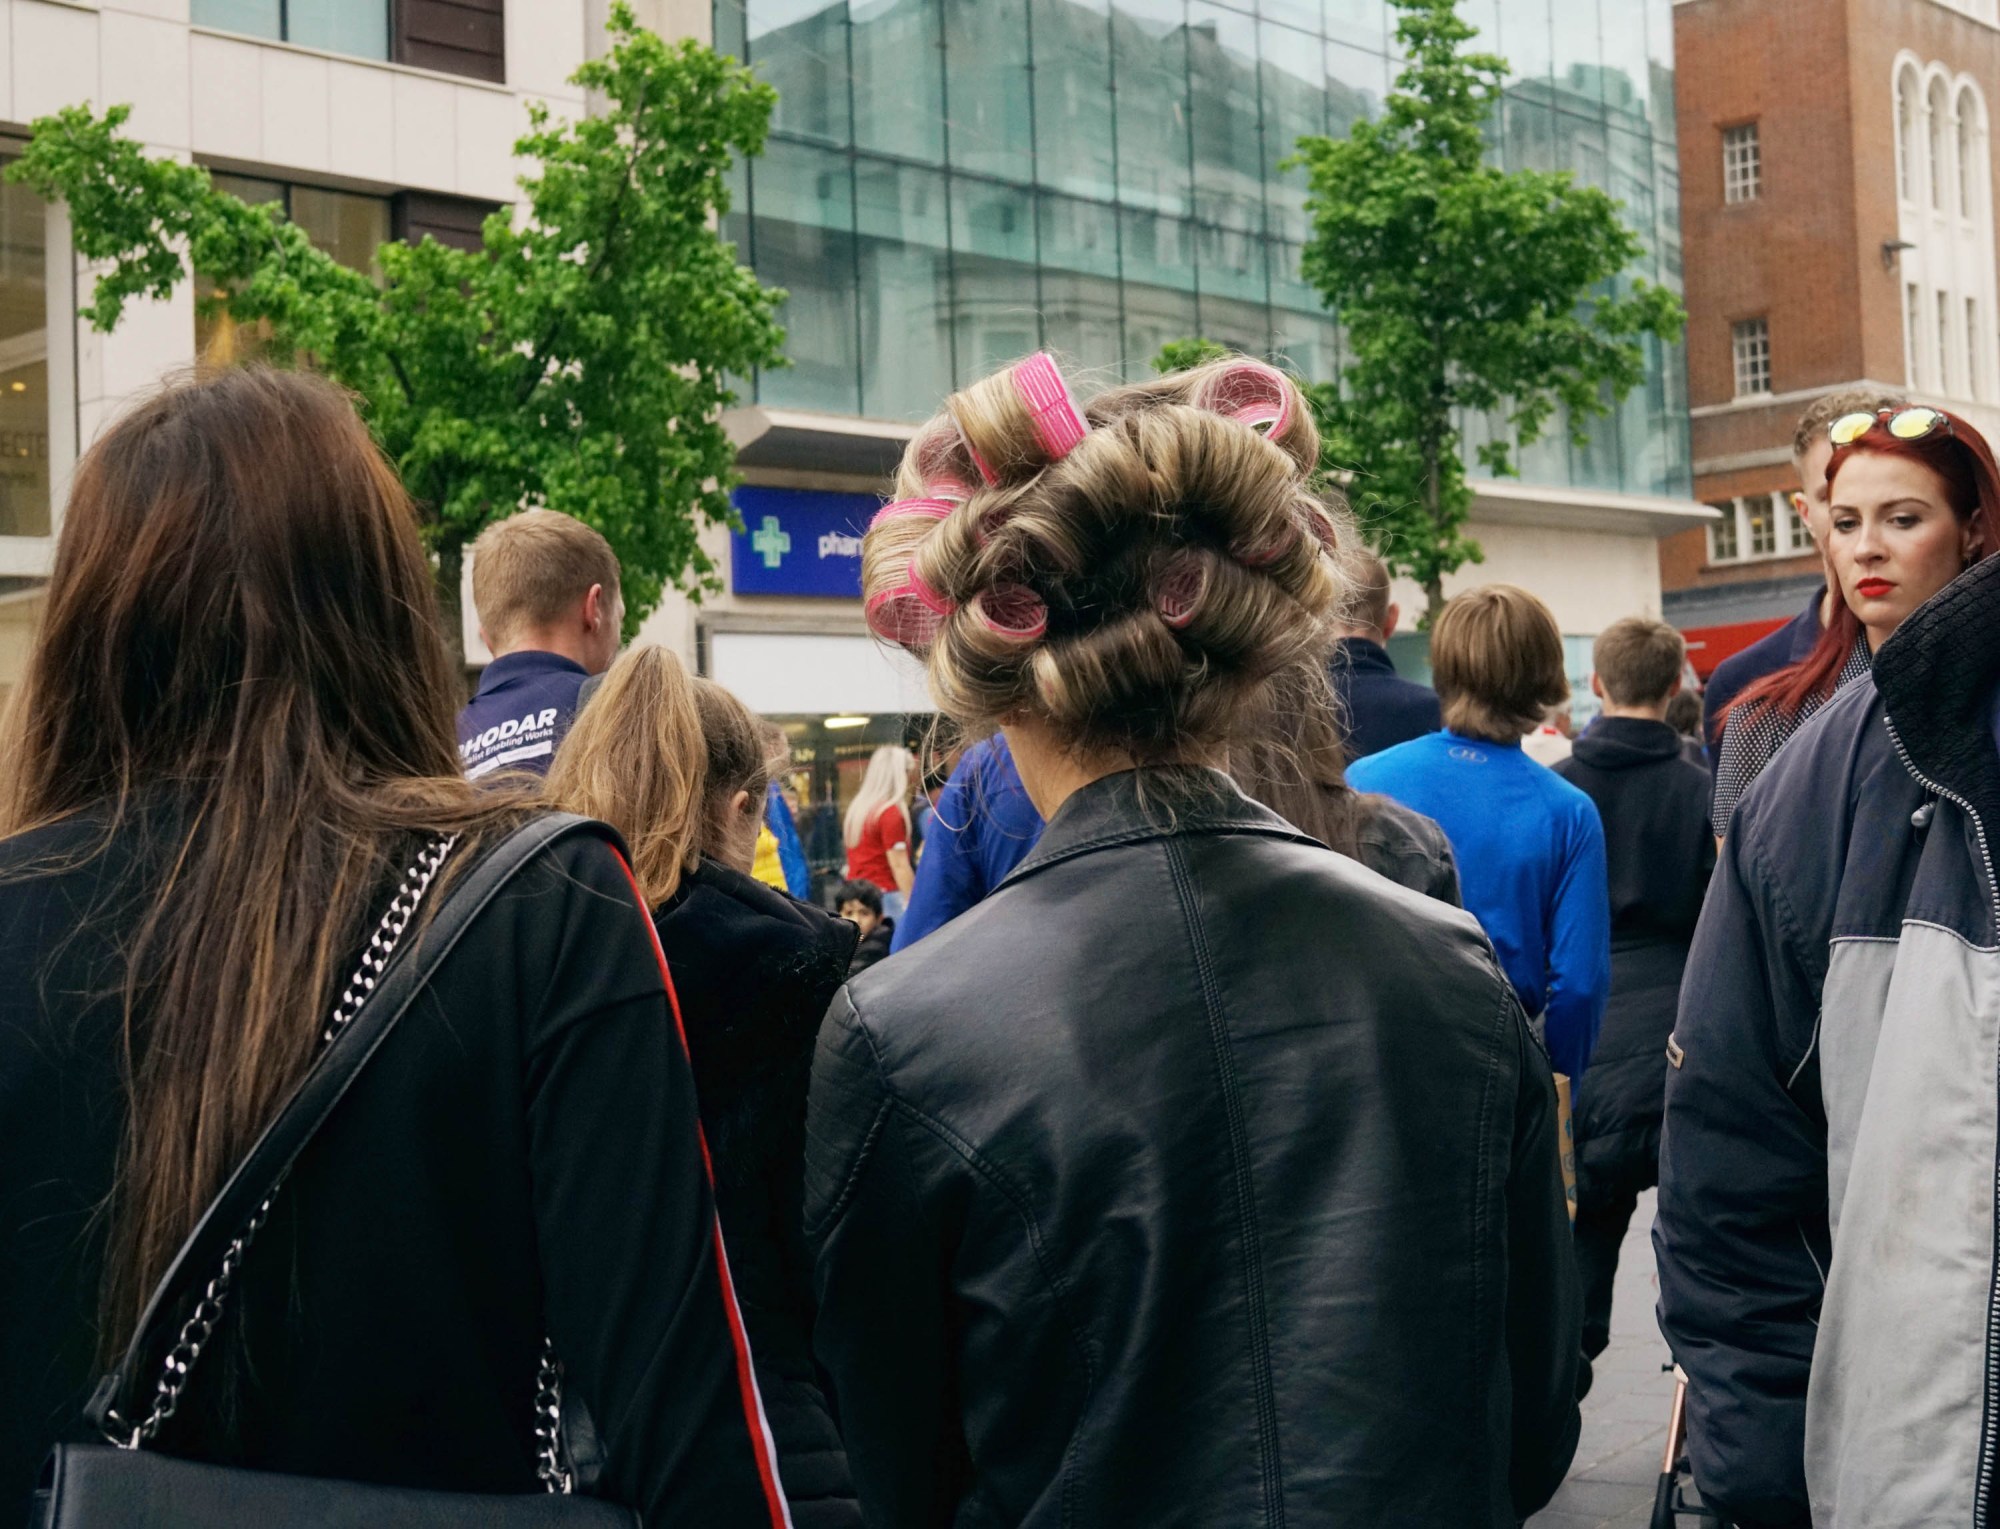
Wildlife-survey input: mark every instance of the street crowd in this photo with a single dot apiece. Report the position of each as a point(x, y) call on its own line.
point(1216, 1094)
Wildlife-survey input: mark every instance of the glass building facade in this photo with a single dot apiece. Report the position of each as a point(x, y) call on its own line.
point(950, 184)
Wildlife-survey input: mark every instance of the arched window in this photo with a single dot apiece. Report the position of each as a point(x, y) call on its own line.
point(1937, 114)
point(1906, 132)
point(1971, 158)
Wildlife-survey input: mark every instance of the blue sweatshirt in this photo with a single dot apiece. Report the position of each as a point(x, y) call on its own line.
point(1531, 863)
point(524, 704)
point(984, 826)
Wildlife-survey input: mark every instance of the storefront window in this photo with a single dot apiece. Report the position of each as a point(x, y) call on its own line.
point(830, 754)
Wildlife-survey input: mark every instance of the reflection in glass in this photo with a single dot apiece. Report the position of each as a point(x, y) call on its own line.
point(903, 251)
point(1293, 87)
point(24, 365)
point(1073, 128)
point(899, 79)
point(1228, 130)
point(986, 56)
point(995, 308)
point(1362, 24)
point(350, 228)
point(1149, 54)
point(808, 249)
point(800, 46)
point(255, 18)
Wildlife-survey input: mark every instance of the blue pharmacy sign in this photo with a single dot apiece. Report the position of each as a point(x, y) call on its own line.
point(798, 541)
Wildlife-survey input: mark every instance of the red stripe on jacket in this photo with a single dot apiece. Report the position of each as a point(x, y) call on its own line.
point(761, 1443)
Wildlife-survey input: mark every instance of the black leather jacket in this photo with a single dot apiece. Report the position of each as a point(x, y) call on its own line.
point(1196, 1176)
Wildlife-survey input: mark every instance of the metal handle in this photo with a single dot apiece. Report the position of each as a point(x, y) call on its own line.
point(200, 1325)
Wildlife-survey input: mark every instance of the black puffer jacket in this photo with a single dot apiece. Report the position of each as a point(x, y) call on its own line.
point(1658, 852)
point(753, 971)
point(1238, 1204)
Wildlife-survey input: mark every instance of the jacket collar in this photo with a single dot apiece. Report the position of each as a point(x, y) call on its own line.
point(527, 663)
point(1153, 803)
point(1366, 656)
point(1936, 676)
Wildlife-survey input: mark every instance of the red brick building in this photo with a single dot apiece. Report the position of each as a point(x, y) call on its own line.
point(1837, 193)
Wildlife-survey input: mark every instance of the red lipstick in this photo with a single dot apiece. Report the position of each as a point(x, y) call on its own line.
point(1873, 589)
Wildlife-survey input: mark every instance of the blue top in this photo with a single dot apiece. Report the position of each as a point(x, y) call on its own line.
point(984, 826)
point(524, 704)
point(1531, 863)
point(1767, 655)
point(1382, 708)
point(791, 854)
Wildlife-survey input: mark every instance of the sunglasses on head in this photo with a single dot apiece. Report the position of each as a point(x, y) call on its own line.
point(1909, 424)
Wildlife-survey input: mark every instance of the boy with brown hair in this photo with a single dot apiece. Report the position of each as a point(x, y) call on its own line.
point(545, 587)
point(1529, 847)
point(1653, 803)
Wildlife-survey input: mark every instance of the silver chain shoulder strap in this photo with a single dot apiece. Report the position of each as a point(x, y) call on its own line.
point(200, 1325)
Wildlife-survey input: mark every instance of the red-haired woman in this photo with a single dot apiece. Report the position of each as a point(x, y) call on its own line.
point(1826, 1224)
point(1903, 522)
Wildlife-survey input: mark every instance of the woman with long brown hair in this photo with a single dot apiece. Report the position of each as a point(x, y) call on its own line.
point(233, 735)
point(679, 766)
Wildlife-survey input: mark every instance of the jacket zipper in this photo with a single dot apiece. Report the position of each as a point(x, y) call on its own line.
point(1983, 1484)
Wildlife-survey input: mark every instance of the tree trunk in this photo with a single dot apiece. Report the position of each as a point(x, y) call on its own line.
point(1434, 507)
point(451, 620)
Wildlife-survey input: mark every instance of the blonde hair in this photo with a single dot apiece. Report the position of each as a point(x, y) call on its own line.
point(1497, 663)
point(1637, 660)
point(657, 755)
point(1367, 603)
point(531, 568)
point(887, 783)
point(1133, 592)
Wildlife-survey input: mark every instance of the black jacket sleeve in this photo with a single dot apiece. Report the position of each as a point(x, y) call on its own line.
point(1742, 1228)
point(1544, 1299)
point(883, 1329)
point(638, 1298)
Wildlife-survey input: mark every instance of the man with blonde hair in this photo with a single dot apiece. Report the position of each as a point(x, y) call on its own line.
point(1653, 802)
point(1380, 708)
point(1529, 845)
point(545, 587)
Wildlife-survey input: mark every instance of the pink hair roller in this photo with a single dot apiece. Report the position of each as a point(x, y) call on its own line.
point(1252, 394)
point(1059, 424)
point(1012, 610)
point(1180, 590)
point(942, 457)
point(937, 602)
point(1272, 552)
point(899, 616)
point(935, 509)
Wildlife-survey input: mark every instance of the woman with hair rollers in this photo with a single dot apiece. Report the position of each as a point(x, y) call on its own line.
point(679, 767)
point(1238, 1203)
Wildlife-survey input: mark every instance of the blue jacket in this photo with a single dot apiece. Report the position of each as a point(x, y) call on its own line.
point(1767, 655)
point(1531, 863)
point(791, 854)
point(524, 704)
point(1382, 708)
point(1826, 1234)
point(984, 826)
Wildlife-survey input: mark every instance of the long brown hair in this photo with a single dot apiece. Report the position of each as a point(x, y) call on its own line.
point(241, 647)
point(1963, 460)
point(1292, 756)
point(657, 755)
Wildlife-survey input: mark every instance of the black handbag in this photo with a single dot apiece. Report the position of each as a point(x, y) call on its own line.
point(121, 1485)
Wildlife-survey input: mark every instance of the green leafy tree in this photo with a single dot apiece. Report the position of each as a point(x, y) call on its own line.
point(578, 361)
point(1462, 289)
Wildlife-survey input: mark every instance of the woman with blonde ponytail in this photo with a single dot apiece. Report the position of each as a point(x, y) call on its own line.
point(1196, 1175)
point(679, 767)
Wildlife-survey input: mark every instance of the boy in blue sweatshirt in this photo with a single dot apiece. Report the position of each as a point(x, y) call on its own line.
point(1530, 846)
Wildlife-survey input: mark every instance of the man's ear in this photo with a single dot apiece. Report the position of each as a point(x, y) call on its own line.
point(740, 804)
point(1596, 685)
point(1389, 619)
point(1676, 687)
point(594, 610)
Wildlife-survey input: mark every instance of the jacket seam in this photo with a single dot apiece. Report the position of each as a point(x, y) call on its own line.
point(1039, 862)
point(1270, 1463)
point(1971, 945)
point(1482, 1190)
point(1018, 1199)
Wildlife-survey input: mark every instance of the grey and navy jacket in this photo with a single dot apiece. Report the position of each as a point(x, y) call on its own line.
point(1826, 1234)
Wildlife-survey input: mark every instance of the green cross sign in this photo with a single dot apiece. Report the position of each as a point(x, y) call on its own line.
point(771, 542)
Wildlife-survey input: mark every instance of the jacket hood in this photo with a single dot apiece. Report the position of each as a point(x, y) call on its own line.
point(1620, 743)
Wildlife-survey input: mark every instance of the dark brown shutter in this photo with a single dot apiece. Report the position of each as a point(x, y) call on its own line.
point(467, 37)
point(452, 220)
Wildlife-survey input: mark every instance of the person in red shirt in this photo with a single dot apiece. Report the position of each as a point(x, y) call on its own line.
point(876, 828)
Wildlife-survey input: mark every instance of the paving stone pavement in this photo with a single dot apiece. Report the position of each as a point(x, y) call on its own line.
point(1617, 1462)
